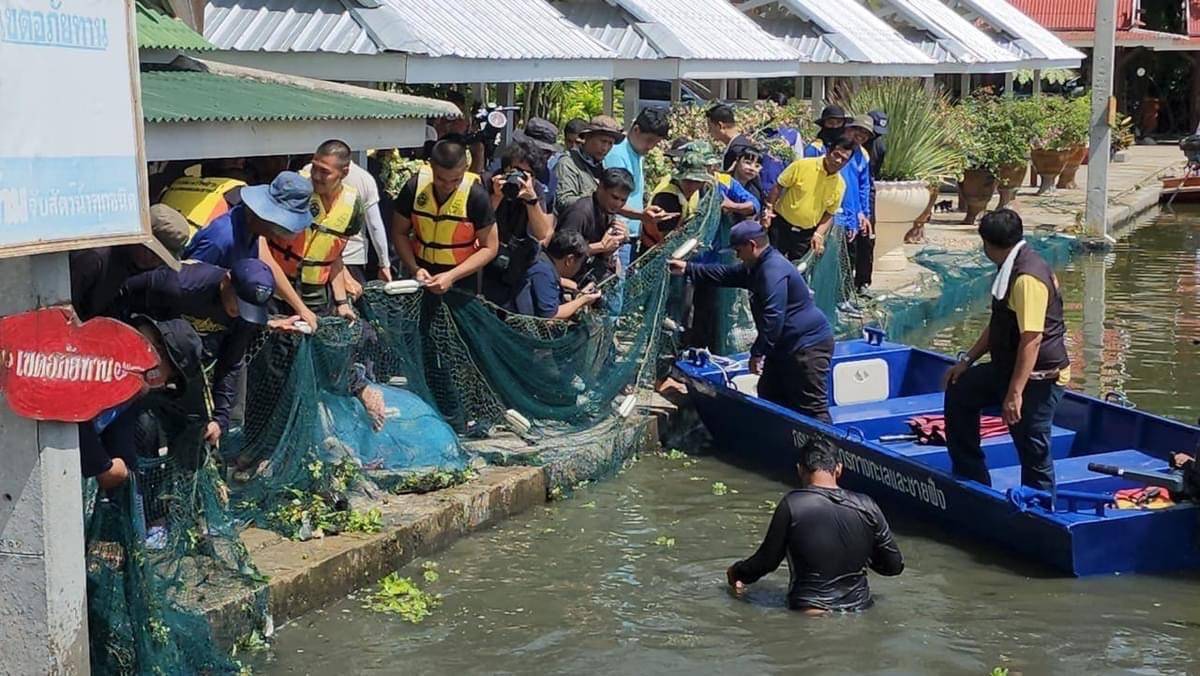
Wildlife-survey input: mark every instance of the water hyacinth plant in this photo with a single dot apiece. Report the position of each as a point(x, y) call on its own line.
point(922, 130)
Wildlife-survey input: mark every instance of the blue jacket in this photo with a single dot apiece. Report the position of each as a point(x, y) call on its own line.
point(225, 241)
point(859, 184)
point(772, 166)
point(738, 193)
point(785, 315)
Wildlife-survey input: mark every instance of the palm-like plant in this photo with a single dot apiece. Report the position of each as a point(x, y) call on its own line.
point(922, 131)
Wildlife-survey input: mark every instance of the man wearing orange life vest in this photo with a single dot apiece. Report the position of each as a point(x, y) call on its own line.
point(444, 227)
point(308, 269)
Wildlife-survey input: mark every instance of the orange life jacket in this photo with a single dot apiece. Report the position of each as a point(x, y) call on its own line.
point(442, 234)
point(309, 258)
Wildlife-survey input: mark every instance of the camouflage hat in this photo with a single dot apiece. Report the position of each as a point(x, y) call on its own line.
point(693, 166)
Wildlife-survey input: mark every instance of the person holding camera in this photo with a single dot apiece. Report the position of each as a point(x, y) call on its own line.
point(522, 220)
point(541, 291)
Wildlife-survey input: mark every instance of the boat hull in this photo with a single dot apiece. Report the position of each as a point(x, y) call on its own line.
point(758, 434)
point(1180, 189)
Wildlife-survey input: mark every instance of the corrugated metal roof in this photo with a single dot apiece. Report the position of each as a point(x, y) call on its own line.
point(285, 26)
point(1072, 15)
point(1133, 37)
point(804, 38)
point(1019, 32)
point(957, 40)
point(610, 25)
point(473, 29)
point(706, 29)
point(173, 95)
point(158, 31)
point(856, 33)
point(481, 29)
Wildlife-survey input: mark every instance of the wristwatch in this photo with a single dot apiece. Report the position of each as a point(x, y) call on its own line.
point(964, 358)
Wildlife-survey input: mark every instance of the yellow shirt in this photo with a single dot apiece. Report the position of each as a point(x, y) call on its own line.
point(808, 193)
point(1029, 299)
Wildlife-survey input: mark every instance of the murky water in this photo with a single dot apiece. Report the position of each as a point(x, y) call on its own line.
point(627, 577)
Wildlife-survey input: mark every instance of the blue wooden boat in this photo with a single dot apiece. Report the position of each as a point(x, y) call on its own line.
point(876, 386)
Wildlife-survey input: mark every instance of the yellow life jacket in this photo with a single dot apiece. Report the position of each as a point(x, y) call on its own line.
point(200, 200)
point(442, 234)
point(309, 257)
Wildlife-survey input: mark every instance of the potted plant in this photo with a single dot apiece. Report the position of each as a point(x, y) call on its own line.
point(1077, 123)
point(1057, 141)
point(921, 153)
point(1000, 131)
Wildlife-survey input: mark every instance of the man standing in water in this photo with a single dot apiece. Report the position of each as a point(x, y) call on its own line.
point(1029, 368)
point(830, 537)
point(794, 346)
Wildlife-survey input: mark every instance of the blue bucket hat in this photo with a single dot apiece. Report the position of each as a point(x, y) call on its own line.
point(286, 202)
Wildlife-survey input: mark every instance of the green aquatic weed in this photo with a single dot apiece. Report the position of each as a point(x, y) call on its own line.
point(664, 541)
point(719, 488)
point(429, 572)
point(400, 596)
point(251, 643)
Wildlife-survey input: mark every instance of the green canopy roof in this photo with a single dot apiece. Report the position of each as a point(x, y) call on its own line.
point(179, 95)
point(156, 30)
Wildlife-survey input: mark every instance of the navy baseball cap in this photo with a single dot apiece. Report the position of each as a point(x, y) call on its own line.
point(744, 232)
point(881, 121)
point(254, 285)
point(286, 202)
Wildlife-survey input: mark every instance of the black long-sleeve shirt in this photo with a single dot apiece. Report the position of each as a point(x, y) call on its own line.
point(194, 293)
point(830, 537)
point(785, 315)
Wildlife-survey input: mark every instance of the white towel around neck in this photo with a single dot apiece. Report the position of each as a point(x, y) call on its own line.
point(1000, 285)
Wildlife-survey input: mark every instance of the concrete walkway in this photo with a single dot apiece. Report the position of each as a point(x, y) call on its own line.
point(1133, 190)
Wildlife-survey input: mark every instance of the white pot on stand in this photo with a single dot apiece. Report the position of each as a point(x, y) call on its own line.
point(897, 205)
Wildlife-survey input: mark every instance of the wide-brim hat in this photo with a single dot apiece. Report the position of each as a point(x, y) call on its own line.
point(540, 133)
point(286, 202)
point(182, 345)
point(832, 112)
point(864, 122)
point(693, 166)
point(603, 124)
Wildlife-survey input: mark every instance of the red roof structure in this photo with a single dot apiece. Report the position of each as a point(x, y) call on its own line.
point(1074, 21)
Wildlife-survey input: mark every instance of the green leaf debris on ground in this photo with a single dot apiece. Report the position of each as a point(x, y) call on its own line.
point(400, 596)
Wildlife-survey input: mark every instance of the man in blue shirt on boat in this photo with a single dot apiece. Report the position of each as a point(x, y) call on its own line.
point(795, 342)
point(1029, 368)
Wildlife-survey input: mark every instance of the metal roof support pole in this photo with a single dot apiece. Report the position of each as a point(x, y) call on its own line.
point(676, 90)
point(798, 86)
point(1037, 81)
point(751, 90)
point(721, 89)
point(1100, 138)
point(1010, 81)
point(507, 92)
point(818, 93)
point(42, 585)
point(931, 85)
point(964, 85)
point(608, 97)
point(633, 88)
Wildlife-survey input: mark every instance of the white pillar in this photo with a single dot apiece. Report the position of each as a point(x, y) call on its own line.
point(676, 90)
point(1100, 138)
point(751, 92)
point(1010, 81)
point(43, 610)
point(1037, 81)
point(797, 87)
point(508, 96)
point(633, 88)
point(931, 85)
point(818, 94)
point(608, 97)
point(964, 85)
point(721, 89)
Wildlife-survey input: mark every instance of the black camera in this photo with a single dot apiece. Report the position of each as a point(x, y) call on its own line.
point(514, 180)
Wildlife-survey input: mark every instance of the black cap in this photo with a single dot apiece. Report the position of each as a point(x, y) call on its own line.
point(541, 133)
point(881, 121)
point(833, 111)
point(182, 345)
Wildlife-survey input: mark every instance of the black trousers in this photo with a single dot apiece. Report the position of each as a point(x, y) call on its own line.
point(793, 242)
point(800, 381)
point(984, 386)
point(862, 258)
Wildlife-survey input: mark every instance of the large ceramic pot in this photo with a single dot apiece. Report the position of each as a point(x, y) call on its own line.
point(1048, 164)
point(897, 205)
point(1066, 180)
point(978, 186)
point(1008, 180)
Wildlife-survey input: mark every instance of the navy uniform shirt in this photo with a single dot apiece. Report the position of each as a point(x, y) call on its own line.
point(785, 315)
point(540, 292)
point(225, 241)
point(194, 293)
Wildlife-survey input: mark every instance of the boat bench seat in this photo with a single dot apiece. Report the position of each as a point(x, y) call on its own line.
point(898, 407)
point(1073, 473)
point(999, 450)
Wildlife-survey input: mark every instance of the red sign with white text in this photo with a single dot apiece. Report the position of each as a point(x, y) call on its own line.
point(54, 368)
